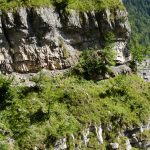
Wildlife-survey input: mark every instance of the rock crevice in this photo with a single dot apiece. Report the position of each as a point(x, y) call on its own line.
point(35, 38)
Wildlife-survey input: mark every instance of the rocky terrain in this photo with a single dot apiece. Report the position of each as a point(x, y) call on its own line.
point(144, 70)
point(36, 38)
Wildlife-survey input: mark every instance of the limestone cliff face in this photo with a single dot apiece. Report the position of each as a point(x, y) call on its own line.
point(36, 38)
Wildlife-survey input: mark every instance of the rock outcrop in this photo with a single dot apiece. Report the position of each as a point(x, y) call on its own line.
point(36, 38)
point(144, 70)
point(131, 138)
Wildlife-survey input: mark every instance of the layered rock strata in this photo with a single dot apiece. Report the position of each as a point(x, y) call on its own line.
point(36, 38)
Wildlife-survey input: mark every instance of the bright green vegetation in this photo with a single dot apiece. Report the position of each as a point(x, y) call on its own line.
point(94, 4)
point(11, 4)
point(139, 16)
point(83, 5)
point(95, 64)
point(58, 106)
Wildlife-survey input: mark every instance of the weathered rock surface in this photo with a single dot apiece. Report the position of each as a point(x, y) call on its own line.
point(36, 38)
point(144, 69)
point(138, 141)
point(132, 136)
point(121, 69)
point(114, 145)
point(61, 144)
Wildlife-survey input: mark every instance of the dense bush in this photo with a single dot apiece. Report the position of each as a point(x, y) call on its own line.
point(6, 93)
point(95, 64)
point(64, 105)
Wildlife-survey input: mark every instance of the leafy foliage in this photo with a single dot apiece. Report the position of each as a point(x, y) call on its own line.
point(95, 64)
point(82, 5)
point(139, 16)
point(5, 90)
point(63, 105)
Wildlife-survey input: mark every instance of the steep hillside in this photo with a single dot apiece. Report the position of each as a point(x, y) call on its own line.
point(139, 16)
point(77, 109)
point(66, 112)
point(35, 38)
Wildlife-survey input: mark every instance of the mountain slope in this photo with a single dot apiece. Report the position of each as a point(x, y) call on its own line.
point(60, 113)
point(36, 38)
point(139, 16)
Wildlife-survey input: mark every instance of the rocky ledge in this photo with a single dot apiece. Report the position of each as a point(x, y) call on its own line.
point(35, 38)
point(144, 69)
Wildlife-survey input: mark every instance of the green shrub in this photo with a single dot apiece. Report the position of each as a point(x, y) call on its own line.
point(6, 91)
point(95, 64)
point(64, 105)
point(4, 146)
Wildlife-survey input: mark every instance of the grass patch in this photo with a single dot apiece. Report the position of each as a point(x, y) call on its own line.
point(82, 5)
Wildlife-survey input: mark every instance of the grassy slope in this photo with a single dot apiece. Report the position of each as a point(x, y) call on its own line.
point(59, 106)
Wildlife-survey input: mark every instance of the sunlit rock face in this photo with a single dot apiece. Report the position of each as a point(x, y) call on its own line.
point(36, 38)
point(144, 69)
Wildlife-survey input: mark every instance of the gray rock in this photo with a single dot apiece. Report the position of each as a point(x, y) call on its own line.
point(99, 130)
point(10, 140)
point(147, 146)
point(61, 144)
point(128, 145)
point(86, 133)
point(35, 38)
point(114, 145)
point(122, 69)
point(144, 69)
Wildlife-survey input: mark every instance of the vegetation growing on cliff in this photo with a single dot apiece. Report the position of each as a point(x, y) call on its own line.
point(59, 106)
point(96, 64)
point(82, 5)
point(56, 107)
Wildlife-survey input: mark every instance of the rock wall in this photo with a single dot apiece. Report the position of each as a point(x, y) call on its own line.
point(94, 135)
point(36, 38)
